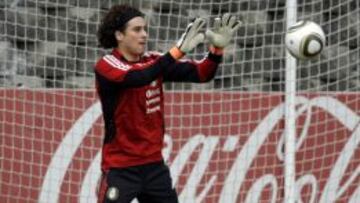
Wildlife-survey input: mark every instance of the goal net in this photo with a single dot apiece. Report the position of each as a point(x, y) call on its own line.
point(225, 139)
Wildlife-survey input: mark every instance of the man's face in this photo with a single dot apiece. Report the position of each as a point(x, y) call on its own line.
point(133, 39)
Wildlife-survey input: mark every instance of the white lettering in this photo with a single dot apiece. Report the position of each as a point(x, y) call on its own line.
point(230, 144)
point(305, 180)
point(332, 189)
point(152, 92)
point(153, 109)
point(254, 194)
point(351, 120)
point(305, 107)
point(355, 196)
point(183, 155)
point(189, 192)
point(152, 101)
point(243, 161)
point(63, 155)
point(91, 180)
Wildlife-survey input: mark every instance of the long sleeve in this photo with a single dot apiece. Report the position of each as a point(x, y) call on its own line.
point(193, 71)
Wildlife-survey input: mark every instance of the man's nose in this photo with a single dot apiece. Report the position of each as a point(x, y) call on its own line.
point(144, 33)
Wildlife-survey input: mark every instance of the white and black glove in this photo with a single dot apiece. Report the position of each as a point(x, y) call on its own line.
point(192, 36)
point(223, 31)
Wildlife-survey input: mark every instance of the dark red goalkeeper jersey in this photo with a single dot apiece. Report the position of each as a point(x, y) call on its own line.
point(131, 96)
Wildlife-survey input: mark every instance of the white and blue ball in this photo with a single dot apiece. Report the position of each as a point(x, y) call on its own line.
point(305, 40)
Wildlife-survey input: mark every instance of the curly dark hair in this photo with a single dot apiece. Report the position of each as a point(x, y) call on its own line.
point(115, 20)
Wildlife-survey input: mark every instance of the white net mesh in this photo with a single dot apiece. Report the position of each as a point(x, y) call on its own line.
point(224, 139)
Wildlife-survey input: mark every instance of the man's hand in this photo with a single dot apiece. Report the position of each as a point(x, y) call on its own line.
point(223, 31)
point(192, 36)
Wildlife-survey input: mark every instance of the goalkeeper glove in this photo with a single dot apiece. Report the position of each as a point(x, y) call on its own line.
point(192, 36)
point(223, 30)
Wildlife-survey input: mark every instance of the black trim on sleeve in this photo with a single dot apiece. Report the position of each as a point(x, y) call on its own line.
point(138, 78)
point(181, 72)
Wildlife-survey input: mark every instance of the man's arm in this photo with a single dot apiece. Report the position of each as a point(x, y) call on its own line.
point(193, 71)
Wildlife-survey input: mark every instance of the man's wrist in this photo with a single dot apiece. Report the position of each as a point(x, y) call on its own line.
point(176, 53)
point(216, 50)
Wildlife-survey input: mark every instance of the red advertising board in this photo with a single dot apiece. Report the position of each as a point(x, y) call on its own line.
point(220, 147)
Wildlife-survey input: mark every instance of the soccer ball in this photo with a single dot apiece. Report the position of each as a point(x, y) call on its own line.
point(305, 40)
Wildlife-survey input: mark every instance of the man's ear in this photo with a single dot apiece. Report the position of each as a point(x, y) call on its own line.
point(119, 35)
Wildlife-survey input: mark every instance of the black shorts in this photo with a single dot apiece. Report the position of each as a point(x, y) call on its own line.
point(148, 183)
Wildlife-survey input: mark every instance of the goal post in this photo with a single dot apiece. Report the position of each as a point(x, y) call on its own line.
point(290, 115)
point(226, 141)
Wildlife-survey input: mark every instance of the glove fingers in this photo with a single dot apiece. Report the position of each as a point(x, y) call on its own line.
point(198, 23)
point(191, 38)
point(199, 38)
point(236, 26)
point(180, 41)
point(210, 35)
point(224, 29)
point(189, 28)
point(217, 23)
point(232, 21)
point(225, 19)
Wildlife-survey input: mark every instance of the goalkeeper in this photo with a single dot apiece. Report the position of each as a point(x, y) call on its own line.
point(129, 85)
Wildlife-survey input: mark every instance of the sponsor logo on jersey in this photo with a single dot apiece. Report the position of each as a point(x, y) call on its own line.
point(153, 99)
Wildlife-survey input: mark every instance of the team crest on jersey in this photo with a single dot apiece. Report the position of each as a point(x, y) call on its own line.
point(112, 193)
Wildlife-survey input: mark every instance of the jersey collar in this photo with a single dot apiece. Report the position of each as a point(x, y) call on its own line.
point(120, 56)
